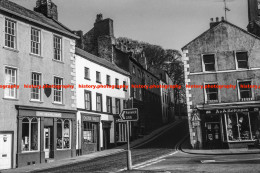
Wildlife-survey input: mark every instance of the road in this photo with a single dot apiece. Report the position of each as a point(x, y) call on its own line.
point(162, 145)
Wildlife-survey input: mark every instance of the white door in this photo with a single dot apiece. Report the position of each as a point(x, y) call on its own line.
point(5, 151)
point(47, 142)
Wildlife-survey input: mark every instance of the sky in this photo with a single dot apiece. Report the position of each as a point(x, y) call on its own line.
point(168, 23)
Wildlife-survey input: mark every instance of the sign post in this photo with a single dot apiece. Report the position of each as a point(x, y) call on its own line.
point(129, 115)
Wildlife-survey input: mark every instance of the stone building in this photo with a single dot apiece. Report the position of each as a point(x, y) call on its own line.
point(36, 124)
point(223, 56)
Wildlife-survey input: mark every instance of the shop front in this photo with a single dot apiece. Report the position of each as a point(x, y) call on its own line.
point(45, 134)
point(231, 127)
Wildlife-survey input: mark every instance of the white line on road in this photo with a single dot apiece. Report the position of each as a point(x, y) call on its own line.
point(152, 163)
point(227, 160)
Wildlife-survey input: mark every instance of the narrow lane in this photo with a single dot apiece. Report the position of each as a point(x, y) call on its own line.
point(162, 145)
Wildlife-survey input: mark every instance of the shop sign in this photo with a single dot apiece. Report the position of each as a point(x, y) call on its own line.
point(48, 114)
point(90, 118)
point(221, 111)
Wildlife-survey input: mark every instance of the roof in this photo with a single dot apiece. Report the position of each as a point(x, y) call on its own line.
point(100, 61)
point(226, 22)
point(35, 17)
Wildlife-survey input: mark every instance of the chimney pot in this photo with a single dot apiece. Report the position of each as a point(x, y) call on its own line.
point(99, 17)
point(222, 18)
point(211, 20)
point(217, 19)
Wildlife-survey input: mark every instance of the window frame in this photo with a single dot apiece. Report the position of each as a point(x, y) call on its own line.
point(86, 69)
point(40, 83)
point(101, 102)
point(124, 86)
point(206, 95)
point(236, 60)
point(239, 93)
point(109, 106)
point(117, 83)
point(10, 83)
point(56, 89)
point(119, 108)
point(203, 63)
point(90, 97)
point(60, 50)
point(108, 80)
point(98, 80)
point(62, 132)
point(33, 41)
point(9, 34)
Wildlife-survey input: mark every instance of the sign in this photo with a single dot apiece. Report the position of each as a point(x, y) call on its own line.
point(221, 111)
point(48, 114)
point(47, 90)
point(129, 114)
point(86, 117)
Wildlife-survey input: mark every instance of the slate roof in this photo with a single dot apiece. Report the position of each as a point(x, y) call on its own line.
point(100, 61)
point(35, 17)
point(217, 26)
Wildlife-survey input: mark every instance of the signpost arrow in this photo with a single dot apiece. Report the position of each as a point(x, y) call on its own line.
point(129, 114)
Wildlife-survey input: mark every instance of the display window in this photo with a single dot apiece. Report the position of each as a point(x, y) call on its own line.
point(63, 134)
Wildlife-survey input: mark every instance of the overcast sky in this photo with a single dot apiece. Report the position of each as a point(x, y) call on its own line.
point(169, 23)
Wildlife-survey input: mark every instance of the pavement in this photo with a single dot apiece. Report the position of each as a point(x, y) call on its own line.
point(185, 147)
point(83, 158)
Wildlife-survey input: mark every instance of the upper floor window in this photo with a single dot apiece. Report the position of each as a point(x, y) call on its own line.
point(36, 91)
point(99, 102)
point(58, 90)
point(117, 106)
point(10, 79)
point(35, 41)
point(57, 48)
point(98, 77)
point(109, 104)
point(117, 83)
point(245, 92)
point(211, 93)
point(209, 62)
point(108, 80)
point(125, 105)
point(86, 71)
point(87, 100)
point(133, 69)
point(139, 73)
point(124, 86)
point(242, 59)
point(10, 33)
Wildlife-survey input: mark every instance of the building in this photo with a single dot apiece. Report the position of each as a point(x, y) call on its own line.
point(223, 56)
point(99, 127)
point(36, 124)
point(100, 41)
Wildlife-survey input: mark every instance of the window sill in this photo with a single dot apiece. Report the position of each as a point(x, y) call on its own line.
point(28, 152)
point(36, 101)
point(7, 98)
point(239, 141)
point(35, 55)
point(58, 61)
point(86, 78)
point(98, 82)
point(63, 149)
point(56, 103)
point(11, 49)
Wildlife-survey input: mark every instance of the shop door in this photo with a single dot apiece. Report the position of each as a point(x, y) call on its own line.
point(90, 137)
point(213, 135)
point(5, 151)
point(47, 142)
point(106, 138)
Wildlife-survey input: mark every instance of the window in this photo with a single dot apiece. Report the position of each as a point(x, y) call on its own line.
point(134, 91)
point(140, 94)
point(10, 79)
point(124, 86)
point(98, 78)
point(86, 70)
point(87, 100)
point(35, 90)
point(90, 132)
point(117, 106)
point(209, 62)
point(30, 134)
point(10, 33)
point(133, 69)
point(211, 93)
point(121, 132)
point(125, 104)
point(35, 41)
point(245, 92)
point(117, 83)
point(139, 73)
point(242, 59)
point(63, 134)
point(58, 90)
point(57, 48)
point(99, 102)
point(108, 80)
point(109, 104)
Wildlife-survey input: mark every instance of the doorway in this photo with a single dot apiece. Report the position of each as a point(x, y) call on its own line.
point(106, 126)
point(47, 142)
point(213, 135)
point(5, 151)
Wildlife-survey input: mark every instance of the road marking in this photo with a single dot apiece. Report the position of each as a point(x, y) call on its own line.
point(208, 161)
point(227, 160)
point(152, 163)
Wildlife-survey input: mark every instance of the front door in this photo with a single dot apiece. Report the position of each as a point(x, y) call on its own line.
point(106, 138)
point(5, 151)
point(213, 135)
point(47, 142)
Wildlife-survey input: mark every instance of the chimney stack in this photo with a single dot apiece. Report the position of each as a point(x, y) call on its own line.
point(212, 23)
point(47, 8)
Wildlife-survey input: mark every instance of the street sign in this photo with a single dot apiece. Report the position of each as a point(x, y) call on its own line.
point(129, 114)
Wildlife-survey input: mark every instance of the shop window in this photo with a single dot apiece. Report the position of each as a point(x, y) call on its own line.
point(211, 93)
point(117, 106)
point(87, 100)
point(90, 132)
point(30, 134)
point(245, 91)
point(242, 60)
point(109, 104)
point(121, 132)
point(209, 62)
point(99, 102)
point(63, 134)
point(238, 126)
